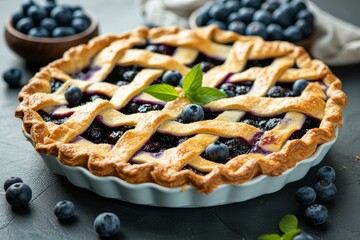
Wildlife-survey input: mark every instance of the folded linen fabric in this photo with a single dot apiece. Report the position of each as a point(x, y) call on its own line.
point(334, 41)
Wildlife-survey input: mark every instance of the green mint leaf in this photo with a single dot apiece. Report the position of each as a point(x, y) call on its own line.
point(269, 237)
point(288, 223)
point(193, 80)
point(163, 92)
point(290, 235)
point(204, 95)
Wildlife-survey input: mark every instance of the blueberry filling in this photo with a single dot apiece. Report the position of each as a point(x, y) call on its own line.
point(258, 63)
point(157, 48)
point(160, 142)
point(188, 167)
point(50, 118)
point(236, 146)
point(100, 133)
point(85, 73)
point(55, 85)
point(92, 97)
point(263, 123)
point(206, 63)
point(122, 75)
point(309, 123)
point(236, 89)
point(139, 107)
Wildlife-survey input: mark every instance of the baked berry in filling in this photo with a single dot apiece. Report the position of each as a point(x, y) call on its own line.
point(206, 63)
point(122, 75)
point(236, 89)
point(55, 84)
point(51, 118)
point(138, 106)
point(263, 123)
point(160, 142)
point(309, 123)
point(85, 73)
point(157, 48)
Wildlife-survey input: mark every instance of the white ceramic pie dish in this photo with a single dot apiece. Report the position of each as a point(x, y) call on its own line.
point(155, 195)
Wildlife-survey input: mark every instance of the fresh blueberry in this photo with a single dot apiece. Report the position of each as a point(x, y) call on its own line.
point(299, 86)
point(171, 77)
point(307, 15)
point(37, 13)
point(262, 16)
point(76, 8)
point(48, 23)
point(219, 24)
point(63, 32)
point(79, 24)
point(303, 236)
point(276, 91)
point(246, 14)
point(325, 190)
point(18, 194)
point(107, 224)
point(217, 152)
point(293, 34)
point(49, 6)
point(282, 16)
point(270, 6)
point(233, 5)
point(305, 195)
point(39, 32)
point(80, 14)
point(24, 25)
point(305, 27)
point(12, 77)
point(297, 6)
point(62, 15)
point(235, 16)
point(26, 5)
point(73, 95)
point(237, 26)
point(274, 31)
point(316, 214)
point(326, 173)
point(10, 181)
point(252, 3)
point(64, 210)
point(256, 29)
point(202, 19)
point(192, 113)
point(16, 17)
point(219, 12)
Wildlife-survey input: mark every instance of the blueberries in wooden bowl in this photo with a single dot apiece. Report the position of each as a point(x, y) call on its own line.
point(41, 32)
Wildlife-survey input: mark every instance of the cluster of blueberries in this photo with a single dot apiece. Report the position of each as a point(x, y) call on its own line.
point(50, 19)
point(288, 20)
point(18, 195)
point(323, 191)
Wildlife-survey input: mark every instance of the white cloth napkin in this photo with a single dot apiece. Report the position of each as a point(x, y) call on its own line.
point(335, 41)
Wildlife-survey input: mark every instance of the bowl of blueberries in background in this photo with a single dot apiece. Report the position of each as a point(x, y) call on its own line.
point(282, 20)
point(42, 32)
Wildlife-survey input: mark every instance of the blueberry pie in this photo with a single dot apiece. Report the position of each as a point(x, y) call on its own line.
point(89, 108)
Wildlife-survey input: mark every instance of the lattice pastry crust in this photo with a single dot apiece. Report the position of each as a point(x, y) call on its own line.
point(124, 159)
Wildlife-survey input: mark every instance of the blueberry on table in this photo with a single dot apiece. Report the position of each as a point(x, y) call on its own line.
point(303, 236)
point(305, 27)
point(18, 194)
point(274, 32)
point(80, 24)
point(252, 3)
point(326, 173)
point(39, 32)
point(325, 190)
point(262, 16)
point(282, 16)
point(10, 181)
point(305, 195)
point(62, 15)
point(16, 17)
point(73, 95)
point(36, 13)
point(237, 26)
point(12, 77)
point(293, 34)
point(24, 25)
point(307, 15)
point(64, 210)
point(171, 77)
point(217, 152)
point(316, 214)
point(219, 12)
point(107, 224)
point(297, 6)
point(63, 32)
point(192, 113)
point(246, 14)
point(49, 24)
point(256, 29)
point(299, 86)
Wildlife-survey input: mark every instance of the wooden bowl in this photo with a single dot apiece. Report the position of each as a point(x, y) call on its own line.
point(39, 52)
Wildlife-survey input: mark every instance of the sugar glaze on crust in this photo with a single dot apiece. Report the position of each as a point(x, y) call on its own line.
point(321, 101)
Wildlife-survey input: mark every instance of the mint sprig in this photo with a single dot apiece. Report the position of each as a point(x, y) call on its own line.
point(192, 86)
point(288, 225)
